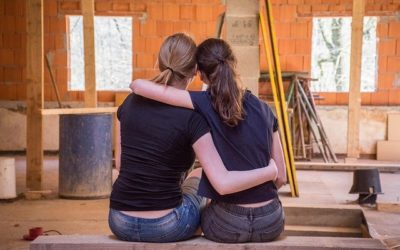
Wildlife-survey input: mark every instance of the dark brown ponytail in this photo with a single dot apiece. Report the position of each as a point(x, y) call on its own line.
point(217, 63)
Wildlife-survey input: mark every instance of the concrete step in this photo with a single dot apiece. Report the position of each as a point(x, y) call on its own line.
point(102, 242)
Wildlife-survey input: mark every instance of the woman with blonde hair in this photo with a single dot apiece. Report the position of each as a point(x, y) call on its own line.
point(244, 131)
point(149, 202)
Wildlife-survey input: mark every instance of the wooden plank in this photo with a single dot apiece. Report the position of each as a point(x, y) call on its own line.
point(87, 7)
point(91, 242)
point(383, 167)
point(388, 207)
point(79, 111)
point(353, 131)
point(301, 230)
point(34, 94)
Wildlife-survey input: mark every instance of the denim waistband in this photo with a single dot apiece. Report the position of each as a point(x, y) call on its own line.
point(263, 210)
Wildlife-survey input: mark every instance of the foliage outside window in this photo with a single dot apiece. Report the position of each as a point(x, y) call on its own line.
point(331, 44)
point(113, 51)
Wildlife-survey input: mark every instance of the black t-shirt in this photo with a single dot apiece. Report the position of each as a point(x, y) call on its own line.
point(244, 147)
point(156, 151)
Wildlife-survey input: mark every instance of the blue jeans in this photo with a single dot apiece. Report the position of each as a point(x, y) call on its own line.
point(180, 224)
point(229, 223)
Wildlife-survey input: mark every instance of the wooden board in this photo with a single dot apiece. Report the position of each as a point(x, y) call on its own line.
point(388, 207)
point(79, 111)
point(388, 168)
point(353, 131)
point(34, 94)
point(92, 242)
point(322, 231)
point(89, 50)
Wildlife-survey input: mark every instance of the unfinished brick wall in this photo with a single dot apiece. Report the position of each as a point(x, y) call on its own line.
point(198, 17)
point(293, 24)
point(164, 17)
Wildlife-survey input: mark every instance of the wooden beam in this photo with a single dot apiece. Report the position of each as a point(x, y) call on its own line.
point(34, 94)
point(383, 167)
point(353, 127)
point(76, 111)
point(89, 50)
point(388, 207)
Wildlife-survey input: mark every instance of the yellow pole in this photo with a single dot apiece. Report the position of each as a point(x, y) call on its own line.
point(277, 104)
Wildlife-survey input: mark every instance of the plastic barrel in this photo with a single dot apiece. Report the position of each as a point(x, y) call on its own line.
point(85, 168)
point(7, 178)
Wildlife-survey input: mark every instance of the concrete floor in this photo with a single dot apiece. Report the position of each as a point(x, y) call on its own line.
point(321, 188)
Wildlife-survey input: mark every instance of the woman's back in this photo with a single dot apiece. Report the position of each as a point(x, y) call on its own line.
point(242, 147)
point(156, 144)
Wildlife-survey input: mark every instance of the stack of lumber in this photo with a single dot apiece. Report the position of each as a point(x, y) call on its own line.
point(389, 150)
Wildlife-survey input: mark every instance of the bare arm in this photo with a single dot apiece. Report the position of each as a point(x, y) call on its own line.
point(224, 181)
point(165, 94)
point(277, 155)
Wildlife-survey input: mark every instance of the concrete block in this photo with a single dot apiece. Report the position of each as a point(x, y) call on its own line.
point(394, 127)
point(242, 7)
point(242, 31)
point(388, 151)
point(248, 64)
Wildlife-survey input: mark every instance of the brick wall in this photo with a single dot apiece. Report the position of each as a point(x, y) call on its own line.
point(164, 17)
point(293, 24)
point(197, 17)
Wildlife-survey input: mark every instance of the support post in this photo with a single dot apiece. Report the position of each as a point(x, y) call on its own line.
point(87, 7)
point(353, 126)
point(242, 19)
point(35, 89)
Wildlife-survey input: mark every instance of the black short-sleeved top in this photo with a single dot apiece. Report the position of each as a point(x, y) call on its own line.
point(156, 151)
point(244, 147)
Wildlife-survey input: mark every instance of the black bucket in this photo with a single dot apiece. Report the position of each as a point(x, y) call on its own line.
point(85, 169)
point(367, 184)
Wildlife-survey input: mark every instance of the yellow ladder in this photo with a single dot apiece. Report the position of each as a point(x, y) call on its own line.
point(270, 44)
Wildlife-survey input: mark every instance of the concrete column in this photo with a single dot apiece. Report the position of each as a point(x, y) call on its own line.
point(242, 20)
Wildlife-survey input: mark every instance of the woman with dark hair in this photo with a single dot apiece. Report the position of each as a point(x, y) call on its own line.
point(148, 201)
point(244, 131)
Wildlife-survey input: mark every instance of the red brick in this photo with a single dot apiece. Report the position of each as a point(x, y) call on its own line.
point(187, 12)
point(391, 7)
point(7, 24)
point(380, 98)
point(139, 43)
point(13, 74)
point(299, 30)
point(365, 98)
point(148, 28)
point(170, 11)
point(307, 63)
point(342, 98)
point(373, 7)
point(282, 30)
point(6, 57)
point(145, 60)
point(382, 29)
point(60, 58)
point(11, 41)
point(60, 42)
point(20, 25)
point(385, 81)
point(106, 96)
point(318, 8)
point(337, 9)
point(295, 2)
point(204, 13)
point(394, 97)
point(50, 8)
point(288, 13)
point(398, 47)
point(21, 91)
point(49, 43)
point(382, 64)
point(304, 9)
point(20, 57)
point(276, 2)
point(58, 25)
point(387, 47)
point(294, 63)
point(155, 11)
point(394, 29)
point(61, 76)
point(181, 27)
point(393, 64)
point(312, 2)
point(153, 45)
point(286, 46)
point(103, 6)
point(70, 5)
point(198, 29)
point(2, 8)
point(329, 98)
point(164, 28)
point(121, 7)
point(303, 46)
point(137, 7)
point(8, 92)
